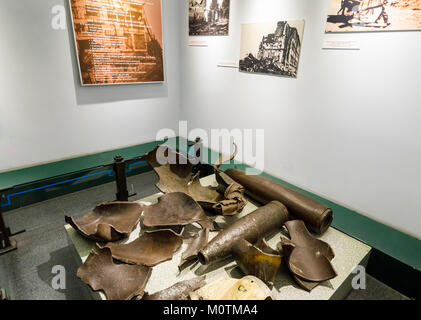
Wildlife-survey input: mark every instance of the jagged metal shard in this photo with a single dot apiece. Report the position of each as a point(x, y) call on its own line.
point(175, 209)
point(108, 222)
point(310, 265)
point(302, 238)
point(177, 175)
point(198, 242)
point(179, 291)
point(308, 258)
point(150, 249)
point(254, 261)
point(316, 216)
point(251, 228)
point(119, 282)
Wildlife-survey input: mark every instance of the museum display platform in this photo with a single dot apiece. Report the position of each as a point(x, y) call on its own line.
point(349, 253)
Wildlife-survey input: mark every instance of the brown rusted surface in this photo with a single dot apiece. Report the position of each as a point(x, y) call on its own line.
point(198, 242)
point(175, 209)
point(308, 258)
point(179, 176)
point(108, 222)
point(179, 291)
point(119, 282)
point(177, 230)
point(316, 216)
point(255, 262)
point(310, 265)
point(149, 249)
point(263, 245)
point(302, 238)
point(251, 228)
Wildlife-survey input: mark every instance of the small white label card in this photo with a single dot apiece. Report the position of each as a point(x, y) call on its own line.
point(198, 43)
point(341, 44)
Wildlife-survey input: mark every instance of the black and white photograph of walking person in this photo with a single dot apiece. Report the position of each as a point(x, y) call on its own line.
point(373, 15)
point(272, 48)
point(209, 17)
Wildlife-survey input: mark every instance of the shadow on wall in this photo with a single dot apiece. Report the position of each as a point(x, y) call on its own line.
point(86, 95)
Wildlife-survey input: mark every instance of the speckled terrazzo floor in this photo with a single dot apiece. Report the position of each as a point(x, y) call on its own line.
point(26, 273)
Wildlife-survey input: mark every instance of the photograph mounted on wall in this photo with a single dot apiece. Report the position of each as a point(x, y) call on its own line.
point(272, 48)
point(118, 42)
point(209, 17)
point(373, 15)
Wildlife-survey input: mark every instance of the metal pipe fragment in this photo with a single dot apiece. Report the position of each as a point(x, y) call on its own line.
point(251, 228)
point(315, 215)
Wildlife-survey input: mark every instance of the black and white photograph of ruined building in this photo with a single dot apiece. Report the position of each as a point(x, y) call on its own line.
point(272, 48)
point(209, 17)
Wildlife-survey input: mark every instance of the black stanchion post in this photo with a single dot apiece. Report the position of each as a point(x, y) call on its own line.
point(6, 244)
point(121, 179)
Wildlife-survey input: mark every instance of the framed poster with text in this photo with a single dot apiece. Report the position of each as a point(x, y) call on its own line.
point(118, 41)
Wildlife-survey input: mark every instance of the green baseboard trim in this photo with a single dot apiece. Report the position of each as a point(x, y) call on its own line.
point(13, 178)
point(27, 186)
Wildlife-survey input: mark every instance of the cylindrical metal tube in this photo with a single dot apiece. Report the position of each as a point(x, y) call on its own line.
point(251, 227)
point(315, 215)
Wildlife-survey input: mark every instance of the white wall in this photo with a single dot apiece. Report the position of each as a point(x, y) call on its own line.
point(46, 115)
point(348, 128)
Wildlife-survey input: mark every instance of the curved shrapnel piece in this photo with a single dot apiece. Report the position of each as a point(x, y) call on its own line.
point(176, 174)
point(149, 249)
point(175, 209)
point(251, 228)
point(300, 237)
point(310, 265)
point(198, 242)
point(119, 282)
point(308, 258)
point(255, 262)
point(108, 222)
point(316, 216)
point(247, 288)
point(179, 291)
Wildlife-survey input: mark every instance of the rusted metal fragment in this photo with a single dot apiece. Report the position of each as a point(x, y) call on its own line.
point(302, 238)
point(247, 288)
point(308, 258)
point(119, 282)
point(175, 209)
point(177, 174)
point(263, 245)
point(254, 261)
point(316, 216)
point(310, 265)
point(198, 242)
point(149, 249)
point(108, 222)
point(177, 230)
point(179, 291)
point(251, 228)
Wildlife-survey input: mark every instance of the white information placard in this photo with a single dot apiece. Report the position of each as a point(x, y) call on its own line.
point(341, 44)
